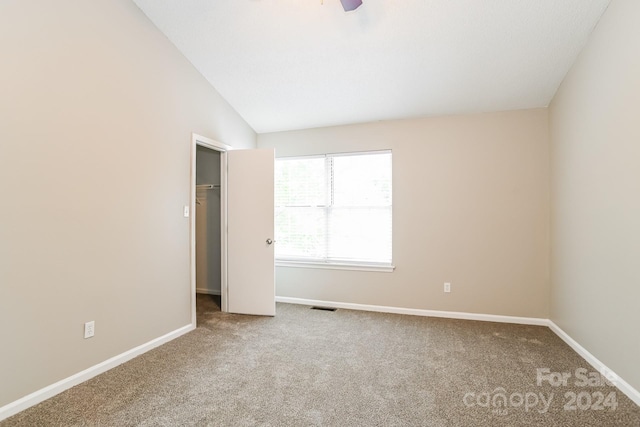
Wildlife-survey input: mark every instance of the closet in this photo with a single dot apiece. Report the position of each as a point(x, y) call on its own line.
point(207, 218)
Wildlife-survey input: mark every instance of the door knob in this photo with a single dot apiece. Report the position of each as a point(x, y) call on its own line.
point(270, 241)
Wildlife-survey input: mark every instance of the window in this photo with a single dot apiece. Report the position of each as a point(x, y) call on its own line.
point(334, 210)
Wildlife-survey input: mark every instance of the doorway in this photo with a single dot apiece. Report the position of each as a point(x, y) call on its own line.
point(208, 224)
point(246, 227)
point(208, 207)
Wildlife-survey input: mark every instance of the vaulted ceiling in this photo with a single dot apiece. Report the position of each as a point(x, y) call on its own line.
point(294, 64)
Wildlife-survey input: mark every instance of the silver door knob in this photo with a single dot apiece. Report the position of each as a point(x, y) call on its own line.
point(270, 242)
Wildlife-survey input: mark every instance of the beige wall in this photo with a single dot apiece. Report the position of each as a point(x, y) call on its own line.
point(96, 113)
point(471, 207)
point(595, 135)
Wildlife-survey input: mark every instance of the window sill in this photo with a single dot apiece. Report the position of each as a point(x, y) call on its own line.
point(336, 266)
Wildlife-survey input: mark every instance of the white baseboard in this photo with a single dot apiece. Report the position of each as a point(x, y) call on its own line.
point(207, 291)
point(65, 384)
point(419, 312)
point(621, 384)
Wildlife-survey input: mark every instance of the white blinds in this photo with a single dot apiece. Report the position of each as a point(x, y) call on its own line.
point(334, 208)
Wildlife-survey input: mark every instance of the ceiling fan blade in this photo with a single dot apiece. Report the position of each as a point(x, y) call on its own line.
point(350, 4)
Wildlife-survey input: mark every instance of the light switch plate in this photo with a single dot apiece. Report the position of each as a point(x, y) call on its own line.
point(89, 329)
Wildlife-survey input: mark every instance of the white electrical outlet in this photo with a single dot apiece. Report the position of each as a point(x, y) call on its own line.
point(89, 329)
point(447, 287)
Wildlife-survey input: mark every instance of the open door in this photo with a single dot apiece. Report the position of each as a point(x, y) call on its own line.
point(250, 228)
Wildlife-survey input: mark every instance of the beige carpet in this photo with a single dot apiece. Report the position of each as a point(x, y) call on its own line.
point(345, 368)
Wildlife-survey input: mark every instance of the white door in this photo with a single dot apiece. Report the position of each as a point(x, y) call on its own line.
point(250, 227)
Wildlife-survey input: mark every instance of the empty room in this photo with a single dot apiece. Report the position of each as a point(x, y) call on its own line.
point(319, 212)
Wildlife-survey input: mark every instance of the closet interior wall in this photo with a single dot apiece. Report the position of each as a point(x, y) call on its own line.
point(208, 274)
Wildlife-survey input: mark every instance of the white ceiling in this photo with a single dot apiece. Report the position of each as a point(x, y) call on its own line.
point(295, 64)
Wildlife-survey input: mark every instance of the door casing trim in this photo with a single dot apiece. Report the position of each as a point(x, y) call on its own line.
point(199, 140)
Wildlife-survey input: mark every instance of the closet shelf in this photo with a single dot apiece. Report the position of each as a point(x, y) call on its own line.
point(207, 186)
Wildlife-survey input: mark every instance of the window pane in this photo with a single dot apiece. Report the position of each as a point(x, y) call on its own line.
point(362, 180)
point(362, 234)
point(301, 182)
point(300, 232)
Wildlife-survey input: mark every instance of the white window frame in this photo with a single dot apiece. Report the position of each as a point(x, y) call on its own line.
point(339, 265)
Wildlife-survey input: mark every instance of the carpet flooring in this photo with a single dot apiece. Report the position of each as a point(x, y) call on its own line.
point(308, 367)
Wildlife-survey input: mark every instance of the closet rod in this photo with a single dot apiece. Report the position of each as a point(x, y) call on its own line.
point(207, 186)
